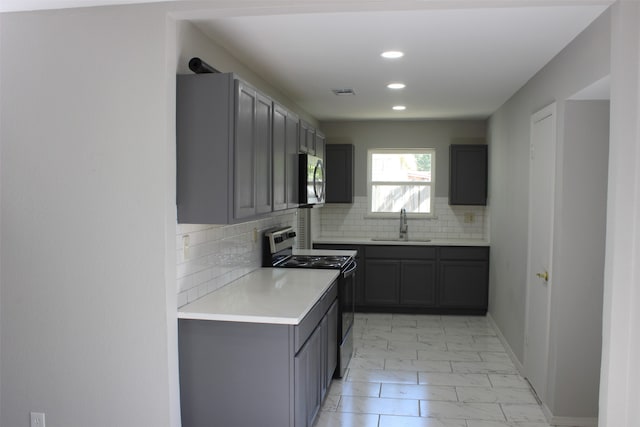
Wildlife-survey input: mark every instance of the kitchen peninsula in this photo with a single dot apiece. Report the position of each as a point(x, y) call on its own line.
point(257, 351)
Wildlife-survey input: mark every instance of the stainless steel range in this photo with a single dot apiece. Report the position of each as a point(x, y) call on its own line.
point(278, 252)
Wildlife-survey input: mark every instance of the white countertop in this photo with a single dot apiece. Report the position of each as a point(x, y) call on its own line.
point(370, 241)
point(267, 295)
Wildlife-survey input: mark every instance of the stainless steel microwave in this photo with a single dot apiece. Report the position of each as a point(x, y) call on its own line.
point(312, 181)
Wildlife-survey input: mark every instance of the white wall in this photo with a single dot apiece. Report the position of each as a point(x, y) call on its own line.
point(351, 220)
point(620, 380)
point(85, 159)
point(584, 61)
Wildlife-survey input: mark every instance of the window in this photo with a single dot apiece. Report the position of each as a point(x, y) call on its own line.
point(400, 179)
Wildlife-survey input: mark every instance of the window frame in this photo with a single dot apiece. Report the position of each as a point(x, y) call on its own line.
point(370, 182)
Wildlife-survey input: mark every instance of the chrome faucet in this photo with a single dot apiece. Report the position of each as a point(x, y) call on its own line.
point(404, 227)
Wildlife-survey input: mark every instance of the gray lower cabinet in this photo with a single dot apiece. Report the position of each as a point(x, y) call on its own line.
point(308, 378)
point(464, 277)
point(237, 374)
point(400, 276)
point(420, 279)
point(382, 283)
point(224, 150)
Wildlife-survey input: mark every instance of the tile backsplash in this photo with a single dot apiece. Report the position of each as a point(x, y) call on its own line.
point(451, 222)
point(211, 256)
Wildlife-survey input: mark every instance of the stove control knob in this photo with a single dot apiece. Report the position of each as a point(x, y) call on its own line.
point(278, 240)
point(291, 234)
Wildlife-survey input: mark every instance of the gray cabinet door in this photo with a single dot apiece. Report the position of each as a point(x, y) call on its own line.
point(263, 183)
point(418, 283)
point(307, 366)
point(382, 282)
point(464, 284)
point(319, 144)
point(292, 143)
point(279, 158)
point(224, 150)
point(332, 344)
point(307, 138)
point(468, 175)
point(339, 164)
point(244, 151)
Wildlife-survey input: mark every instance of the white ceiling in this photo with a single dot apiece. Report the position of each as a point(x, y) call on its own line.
point(463, 62)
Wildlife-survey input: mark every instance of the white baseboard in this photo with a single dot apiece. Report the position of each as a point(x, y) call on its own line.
point(506, 345)
point(568, 421)
point(551, 419)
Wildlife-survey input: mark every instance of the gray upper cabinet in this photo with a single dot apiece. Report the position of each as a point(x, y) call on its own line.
point(293, 137)
point(468, 174)
point(262, 144)
point(307, 138)
point(285, 158)
point(279, 158)
point(319, 144)
point(339, 164)
point(224, 150)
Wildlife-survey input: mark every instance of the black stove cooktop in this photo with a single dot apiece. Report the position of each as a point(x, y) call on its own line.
point(315, 261)
point(278, 252)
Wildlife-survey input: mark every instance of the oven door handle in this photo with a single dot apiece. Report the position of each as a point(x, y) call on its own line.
point(351, 267)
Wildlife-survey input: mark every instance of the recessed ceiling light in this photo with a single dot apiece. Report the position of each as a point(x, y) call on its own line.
point(392, 54)
point(399, 107)
point(396, 85)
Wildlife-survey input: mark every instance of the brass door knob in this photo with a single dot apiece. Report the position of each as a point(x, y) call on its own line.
point(544, 276)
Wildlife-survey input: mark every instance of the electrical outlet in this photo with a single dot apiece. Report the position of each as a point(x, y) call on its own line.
point(185, 246)
point(37, 419)
point(469, 218)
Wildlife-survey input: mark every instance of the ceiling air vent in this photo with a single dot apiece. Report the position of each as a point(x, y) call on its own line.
point(342, 92)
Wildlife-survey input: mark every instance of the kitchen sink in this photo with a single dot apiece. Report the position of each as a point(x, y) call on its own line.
point(391, 239)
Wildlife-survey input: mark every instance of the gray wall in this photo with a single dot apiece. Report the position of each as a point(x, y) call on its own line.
point(87, 171)
point(191, 41)
point(620, 380)
point(578, 265)
point(438, 134)
point(583, 62)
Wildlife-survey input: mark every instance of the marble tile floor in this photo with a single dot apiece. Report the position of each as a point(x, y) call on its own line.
point(429, 371)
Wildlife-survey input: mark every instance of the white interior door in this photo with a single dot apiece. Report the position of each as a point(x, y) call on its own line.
point(541, 214)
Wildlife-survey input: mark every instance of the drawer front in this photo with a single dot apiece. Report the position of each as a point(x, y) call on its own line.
point(401, 252)
point(464, 252)
point(306, 327)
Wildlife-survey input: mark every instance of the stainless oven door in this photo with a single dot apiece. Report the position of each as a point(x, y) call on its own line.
point(346, 289)
point(347, 296)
